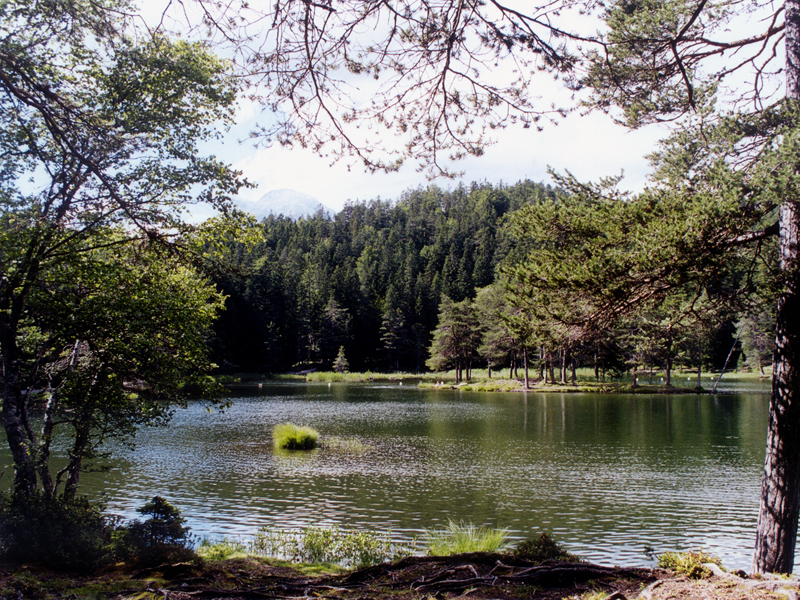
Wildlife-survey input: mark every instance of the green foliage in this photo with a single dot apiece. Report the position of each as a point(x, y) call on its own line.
point(459, 538)
point(54, 533)
point(542, 549)
point(688, 563)
point(220, 550)
point(288, 436)
point(326, 545)
point(162, 537)
point(370, 279)
point(96, 263)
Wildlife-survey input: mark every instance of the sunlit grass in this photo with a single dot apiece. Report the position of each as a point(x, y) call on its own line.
point(692, 563)
point(327, 545)
point(460, 538)
point(350, 377)
point(221, 550)
point(288, 436)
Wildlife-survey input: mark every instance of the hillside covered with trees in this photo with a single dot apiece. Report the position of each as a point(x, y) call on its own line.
point(431, 281)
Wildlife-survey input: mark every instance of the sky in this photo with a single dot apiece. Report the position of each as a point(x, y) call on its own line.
point(590, 146)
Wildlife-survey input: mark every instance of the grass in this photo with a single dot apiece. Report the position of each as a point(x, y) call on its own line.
point(333, 376)
point(689, 563)
point(221, 550)
point(460, 538)
point(327, 546)
point(288, 436)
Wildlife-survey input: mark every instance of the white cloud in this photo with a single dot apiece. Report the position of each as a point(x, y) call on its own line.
point(590, 147)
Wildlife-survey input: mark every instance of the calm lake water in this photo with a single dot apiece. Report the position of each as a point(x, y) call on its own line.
point(606, 475)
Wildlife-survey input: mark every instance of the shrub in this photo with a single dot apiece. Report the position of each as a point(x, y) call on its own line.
point(458, 538)
point(688, 563)
point(288, 436)
point(161, 538)
point(53, 532)
point(542, 549)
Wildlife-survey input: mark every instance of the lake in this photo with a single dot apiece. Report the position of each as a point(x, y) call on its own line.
point(608, 476)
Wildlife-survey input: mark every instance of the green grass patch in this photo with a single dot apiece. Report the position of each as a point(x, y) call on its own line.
point(221, 550)
point(288, 436)
point(459, 538)
point(350, 377)
point(327, 545)
point(689, 563)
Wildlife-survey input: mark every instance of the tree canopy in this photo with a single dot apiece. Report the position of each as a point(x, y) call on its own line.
point(99, 152)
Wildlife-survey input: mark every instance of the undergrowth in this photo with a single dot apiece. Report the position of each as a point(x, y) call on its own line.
point(689, 563)
point(327, 545)
point(542, 549)
point(459, 538)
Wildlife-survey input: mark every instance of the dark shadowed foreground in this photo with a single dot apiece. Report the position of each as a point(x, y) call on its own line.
point(477, 576)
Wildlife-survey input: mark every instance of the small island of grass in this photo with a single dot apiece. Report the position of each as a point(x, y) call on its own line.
point(288, 436)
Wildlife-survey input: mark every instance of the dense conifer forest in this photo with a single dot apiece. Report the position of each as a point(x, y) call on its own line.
point(377, 278)
point(370, 279)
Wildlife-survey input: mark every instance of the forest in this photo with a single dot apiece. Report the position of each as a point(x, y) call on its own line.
point(426, 283)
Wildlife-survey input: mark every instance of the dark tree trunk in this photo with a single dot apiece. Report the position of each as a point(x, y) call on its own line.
point(776, 534)
point(13, 411)
point(668, 373)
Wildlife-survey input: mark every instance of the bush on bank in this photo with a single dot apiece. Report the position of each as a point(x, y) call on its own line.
point(75, 535)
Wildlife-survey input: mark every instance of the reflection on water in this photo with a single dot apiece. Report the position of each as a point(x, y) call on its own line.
point(606, 476)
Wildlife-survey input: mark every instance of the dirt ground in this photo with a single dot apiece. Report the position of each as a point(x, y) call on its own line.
point(477, 576)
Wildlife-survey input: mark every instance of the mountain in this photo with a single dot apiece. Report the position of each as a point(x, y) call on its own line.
point(289, 203)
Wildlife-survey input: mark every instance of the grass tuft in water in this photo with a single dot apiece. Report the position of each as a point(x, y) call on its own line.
point(689, 563)
point(460, 538)
point(288, 436)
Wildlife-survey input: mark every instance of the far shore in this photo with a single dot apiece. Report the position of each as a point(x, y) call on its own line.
point(481, 382)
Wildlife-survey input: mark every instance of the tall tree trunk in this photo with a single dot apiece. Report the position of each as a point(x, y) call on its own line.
point(13, 410)
point(542, 365)
point(668, 373)
point(525, 358)
point(563, 369)
point(699, 385)
point(776, 534)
